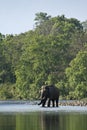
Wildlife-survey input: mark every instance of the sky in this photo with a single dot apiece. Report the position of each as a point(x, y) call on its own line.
point(17, 16)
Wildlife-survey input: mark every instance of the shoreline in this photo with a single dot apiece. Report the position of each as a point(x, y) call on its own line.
point(35, 102)
point(72, 103)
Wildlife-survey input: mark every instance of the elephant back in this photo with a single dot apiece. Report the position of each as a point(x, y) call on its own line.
point(53, 92)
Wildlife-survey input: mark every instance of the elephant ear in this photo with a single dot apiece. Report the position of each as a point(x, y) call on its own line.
point(47, 90)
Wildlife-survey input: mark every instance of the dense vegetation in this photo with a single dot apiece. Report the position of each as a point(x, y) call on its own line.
point(54, 52)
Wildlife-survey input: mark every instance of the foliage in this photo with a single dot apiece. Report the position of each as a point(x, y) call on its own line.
point(41, 56)
point(77, 75)
point(7, 91)
point(40, 18)
point(85, 25)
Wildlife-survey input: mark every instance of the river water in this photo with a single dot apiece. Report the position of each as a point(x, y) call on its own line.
point(29, 116)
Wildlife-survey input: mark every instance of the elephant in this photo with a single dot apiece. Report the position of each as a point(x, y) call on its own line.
point(50, 93)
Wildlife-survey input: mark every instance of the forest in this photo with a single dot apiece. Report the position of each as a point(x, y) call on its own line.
point(53, 52)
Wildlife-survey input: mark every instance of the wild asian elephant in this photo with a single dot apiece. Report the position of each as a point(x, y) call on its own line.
point(49, 93)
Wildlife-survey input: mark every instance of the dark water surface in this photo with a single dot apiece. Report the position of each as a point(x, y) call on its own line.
point(33, 117)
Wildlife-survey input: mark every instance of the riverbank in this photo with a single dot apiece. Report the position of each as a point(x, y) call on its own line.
point(72, 103)
point(35, 102)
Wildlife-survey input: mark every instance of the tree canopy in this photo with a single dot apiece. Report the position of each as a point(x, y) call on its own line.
point(54, 52)
point(77, 76)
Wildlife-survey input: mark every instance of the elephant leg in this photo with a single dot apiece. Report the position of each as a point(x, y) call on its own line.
point(48, 103)
point(56, 102)
point(53, 103)
point(44, 102)
point(41, 102)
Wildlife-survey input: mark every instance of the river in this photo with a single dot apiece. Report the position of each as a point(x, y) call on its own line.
point(30, 116)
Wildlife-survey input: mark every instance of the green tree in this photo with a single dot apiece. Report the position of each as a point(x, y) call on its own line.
point(47, 54)
point(84, 24)
point(39, 64)
point(40, 56)
point(77, 76)
point(41, 17)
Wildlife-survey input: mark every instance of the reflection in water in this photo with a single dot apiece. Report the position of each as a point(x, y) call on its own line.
point(49, 121)
point(7, 122)
point(64, 121)
point(43, 121)
point(29, 121)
